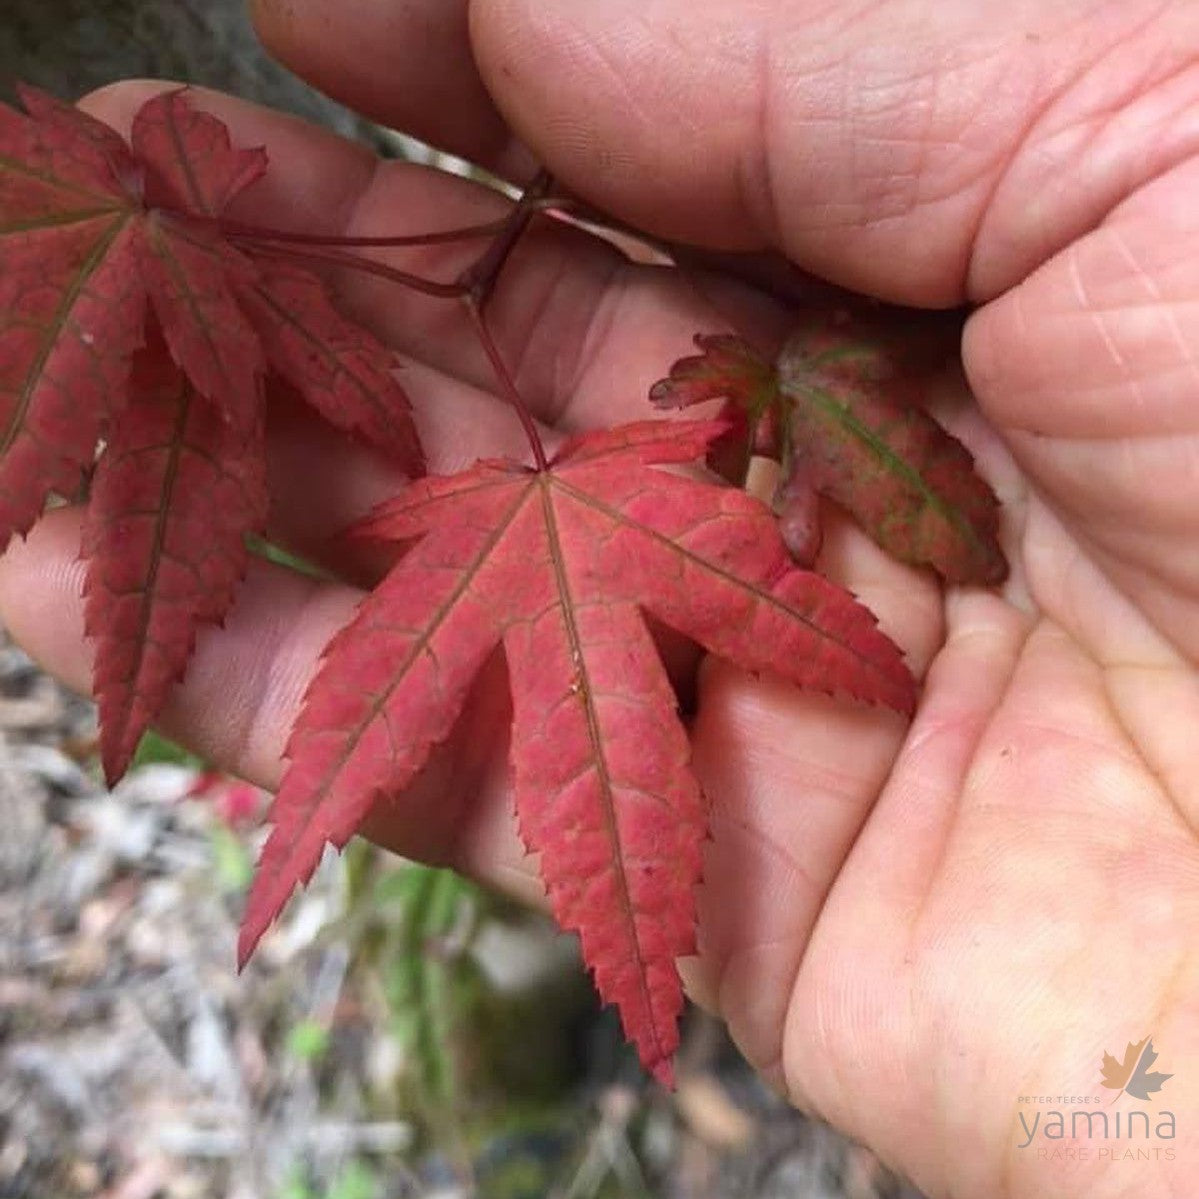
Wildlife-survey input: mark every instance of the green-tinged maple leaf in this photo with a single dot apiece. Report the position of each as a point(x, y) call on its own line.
point(840, 411)
point(560, 567)
point(729, 368)
point(853, 435)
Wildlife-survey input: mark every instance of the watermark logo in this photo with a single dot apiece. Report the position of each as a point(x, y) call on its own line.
point(1133, 1076)
point(1084, 1127)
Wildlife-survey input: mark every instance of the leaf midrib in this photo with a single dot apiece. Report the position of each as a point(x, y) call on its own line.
point(61, 220)
point(546, 479)
point(19, 167)
point(844, 416)
point(162, 520)
point(183, 160)
point(56, 327)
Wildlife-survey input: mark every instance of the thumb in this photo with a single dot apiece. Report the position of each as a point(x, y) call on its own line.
point(925, 153)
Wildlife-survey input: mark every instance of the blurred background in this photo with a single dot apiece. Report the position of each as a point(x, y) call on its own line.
point(402, 1032)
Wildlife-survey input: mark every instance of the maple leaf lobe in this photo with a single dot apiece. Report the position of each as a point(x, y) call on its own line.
point(67, 151)
point(343, 372)
point(164, 536)
point(190, 162)
point(70, 299)
point(727, 367)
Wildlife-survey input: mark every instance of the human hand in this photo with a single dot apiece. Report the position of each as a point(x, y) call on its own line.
point(907, 929)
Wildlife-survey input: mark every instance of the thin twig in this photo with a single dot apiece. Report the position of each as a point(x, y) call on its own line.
point(478, 280)
point(257, 233)
point(430, 287)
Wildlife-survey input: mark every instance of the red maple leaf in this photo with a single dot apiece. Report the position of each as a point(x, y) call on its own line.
point(561, 566)
point(100, 240)
point(840, 409)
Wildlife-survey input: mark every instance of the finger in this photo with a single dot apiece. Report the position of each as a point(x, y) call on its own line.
point(409, 66)
point(244, 681)
point(874, 922)
point(796, 775)
point(1088, 369)
point(585, 331)
point(924, 153)
point(244, 687)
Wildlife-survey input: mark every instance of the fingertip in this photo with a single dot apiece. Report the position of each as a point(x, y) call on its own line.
point(41, 597)
point(314, 179)
point(246, 678)
point(408, 66)
point(116, 103)
point(908, 602)
point(587, 87)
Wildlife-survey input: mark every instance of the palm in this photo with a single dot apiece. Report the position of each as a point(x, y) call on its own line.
point(1033, 850)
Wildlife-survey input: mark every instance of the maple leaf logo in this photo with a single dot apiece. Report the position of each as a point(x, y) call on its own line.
point(1133, 1075)
point(559, 566)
